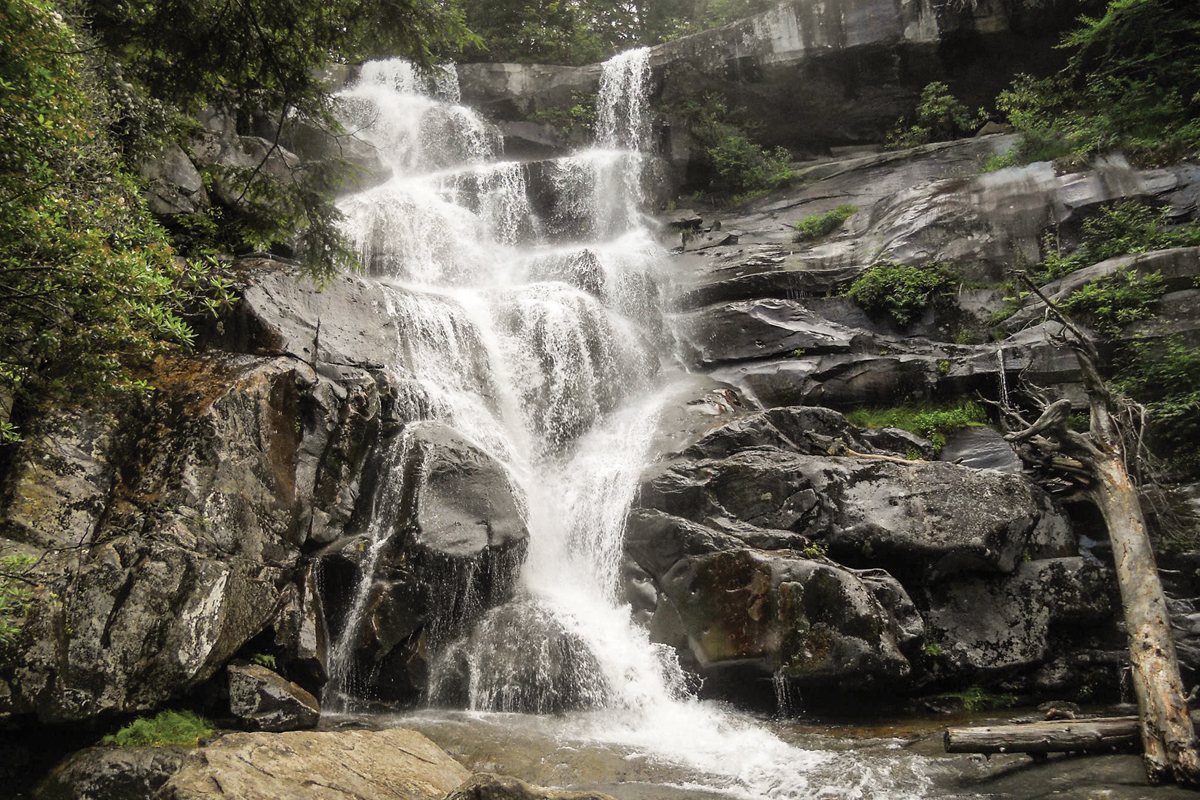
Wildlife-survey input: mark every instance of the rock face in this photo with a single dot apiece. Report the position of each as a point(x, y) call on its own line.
point(265, 701)
point(254, 766)
point(813, 76)
point(735, 534)
point(112, 773)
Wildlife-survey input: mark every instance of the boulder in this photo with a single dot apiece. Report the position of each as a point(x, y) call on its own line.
point(814, 623)
point(981, 448)
point(487, 786)
point(174, 184)
point(111, 773)
point(349, 763)
point(450, 540)
point(924, 520)
point(990, 627)
point(263, 700)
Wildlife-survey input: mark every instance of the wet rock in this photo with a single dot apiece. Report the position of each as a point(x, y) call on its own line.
point(182, 555)
point(923, 520)
point(111, 773)
point(521, 658)
point(264, 700)
point(987, 626)
point(174, 184)
point(454, 541)
point(300, 634)
point(815, 623)
point(762, 329)
point(487, 786)
point(353, 763)
point(980, 448)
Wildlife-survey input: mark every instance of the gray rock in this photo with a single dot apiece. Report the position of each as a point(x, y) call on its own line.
point(352, 763)
point(814, 623)
point(989, 626)
point(111, 773)
point(981, 448)
point(175, 186)
point(265, 701)
point(922, 521)
point(755, 329)
point(487, 786)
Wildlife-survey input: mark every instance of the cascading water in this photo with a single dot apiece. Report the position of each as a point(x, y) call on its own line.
point(546, 357)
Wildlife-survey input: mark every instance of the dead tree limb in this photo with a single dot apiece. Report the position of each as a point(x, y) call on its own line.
point(1104, 453)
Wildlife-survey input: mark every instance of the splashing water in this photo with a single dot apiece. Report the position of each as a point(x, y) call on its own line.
point(545, 355)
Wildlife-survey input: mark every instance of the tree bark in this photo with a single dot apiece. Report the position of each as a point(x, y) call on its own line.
point(1083, 735)
point(1168, 738)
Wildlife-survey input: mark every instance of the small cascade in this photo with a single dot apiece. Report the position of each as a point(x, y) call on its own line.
point(344, 680)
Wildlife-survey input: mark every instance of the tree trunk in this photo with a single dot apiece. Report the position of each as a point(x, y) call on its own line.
point(1096, 735)
point(1167, 734)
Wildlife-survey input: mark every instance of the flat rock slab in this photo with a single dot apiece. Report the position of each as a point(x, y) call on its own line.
point(395, 764)
point(486, 786)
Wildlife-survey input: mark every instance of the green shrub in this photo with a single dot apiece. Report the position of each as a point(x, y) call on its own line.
point(940, 116)
point(814, 226)
point(1165, 377)
point(1131, 83)
point(15, 595)
point(1114, 301)
point(739, 165)
point(904, 292)
point(167, 729)
point(577, 118)
point(932, 422)
point(1120, 229)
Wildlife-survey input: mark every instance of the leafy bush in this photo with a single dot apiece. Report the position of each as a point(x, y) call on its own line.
point(89, 283)
point(940, 116)
point(577, 118)
point(167, 729)
point(814, 226)
point(931, 422)
point(1165, 377)
point(904, 292)
point(1132, 83)
point(15, 595)
point(1116, 300)
point(1121, 229)
point(738, 165)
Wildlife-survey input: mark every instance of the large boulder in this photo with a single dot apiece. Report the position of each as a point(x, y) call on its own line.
point(263, 700)
point(759, 614)
point(111, 773)
point(353, 763)
point(924, 520)
point(450, 537)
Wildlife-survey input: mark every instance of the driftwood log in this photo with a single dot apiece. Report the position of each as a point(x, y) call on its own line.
point(1060, 736)
point(1098, 735)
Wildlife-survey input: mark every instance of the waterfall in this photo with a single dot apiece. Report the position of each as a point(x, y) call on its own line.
point(543, 351)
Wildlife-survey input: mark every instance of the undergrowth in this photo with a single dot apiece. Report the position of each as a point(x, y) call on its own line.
point(167, 729)
point(1113, 301)
point(815, 226)
point(902, 291)
point(932, 422)
point(15, 595)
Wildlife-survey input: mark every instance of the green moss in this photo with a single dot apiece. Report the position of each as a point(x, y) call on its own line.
point(167, 729)
point(932, 422)
point(979, 699)
point(815, 226)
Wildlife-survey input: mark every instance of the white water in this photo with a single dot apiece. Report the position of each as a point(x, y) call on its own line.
point(546, 355)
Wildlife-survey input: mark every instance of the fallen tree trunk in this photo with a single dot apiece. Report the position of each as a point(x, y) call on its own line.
point(1103, 454)
point(1102, 734)
point(1060, 736)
